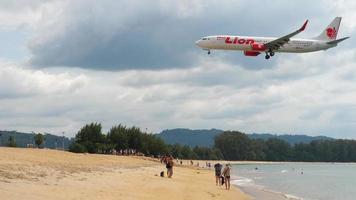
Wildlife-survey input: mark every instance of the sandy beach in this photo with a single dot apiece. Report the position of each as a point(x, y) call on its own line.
point(51, 174)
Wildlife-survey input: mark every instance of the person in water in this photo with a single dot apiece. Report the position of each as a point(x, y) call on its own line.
point(226, 173)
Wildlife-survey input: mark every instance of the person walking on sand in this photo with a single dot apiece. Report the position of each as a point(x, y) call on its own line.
point(226, 173)
point(169, 166)
point(218, 168)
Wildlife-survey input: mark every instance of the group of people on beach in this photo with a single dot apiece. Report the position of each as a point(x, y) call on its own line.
point(222, 176)
point(127, 152)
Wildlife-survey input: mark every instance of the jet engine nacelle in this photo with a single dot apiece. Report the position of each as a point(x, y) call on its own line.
point(251, 53)
point(258, 47)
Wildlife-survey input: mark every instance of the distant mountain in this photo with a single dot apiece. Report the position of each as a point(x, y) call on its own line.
point(190, 137)
point(182, 136)
point(291, 139)
point(22, 139)
point(206, 137)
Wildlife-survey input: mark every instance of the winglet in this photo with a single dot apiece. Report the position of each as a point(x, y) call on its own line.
point(304, 25)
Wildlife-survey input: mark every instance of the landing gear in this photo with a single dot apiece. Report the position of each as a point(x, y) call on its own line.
point(208, 50)
point(269, 54)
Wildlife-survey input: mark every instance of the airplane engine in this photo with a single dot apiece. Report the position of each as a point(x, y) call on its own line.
point(251, 53)
point(258, 47)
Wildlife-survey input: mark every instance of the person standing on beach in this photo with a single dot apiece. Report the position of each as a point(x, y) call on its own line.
point(218, 168)
point(226, 174)
point(169, 166)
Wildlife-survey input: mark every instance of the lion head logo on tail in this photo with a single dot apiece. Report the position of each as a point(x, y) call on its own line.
point(331, 32)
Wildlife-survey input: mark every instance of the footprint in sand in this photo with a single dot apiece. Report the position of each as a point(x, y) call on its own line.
point(212, 194)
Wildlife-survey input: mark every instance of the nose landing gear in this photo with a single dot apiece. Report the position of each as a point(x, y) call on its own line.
point(208, 50)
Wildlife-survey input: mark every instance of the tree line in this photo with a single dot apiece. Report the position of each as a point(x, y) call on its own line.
point(90, 139)
point(235, 145)
point(229, 145)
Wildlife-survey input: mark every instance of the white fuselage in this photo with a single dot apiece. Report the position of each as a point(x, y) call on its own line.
point(244, 43)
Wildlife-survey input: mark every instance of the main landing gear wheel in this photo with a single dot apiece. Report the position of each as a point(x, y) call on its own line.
point(209, 52)
point(267, 56)
point(271, 53)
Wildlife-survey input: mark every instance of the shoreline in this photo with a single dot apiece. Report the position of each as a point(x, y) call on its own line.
point(261, 194)
point(255, 192)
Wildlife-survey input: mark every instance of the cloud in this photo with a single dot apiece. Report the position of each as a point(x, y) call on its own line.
point(148, 73)
point(18, 82)
point(116, 35)
point(23, 13)
point(98, 36)
point(211, 94)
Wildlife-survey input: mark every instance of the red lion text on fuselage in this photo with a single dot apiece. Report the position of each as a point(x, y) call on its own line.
point(236, 40)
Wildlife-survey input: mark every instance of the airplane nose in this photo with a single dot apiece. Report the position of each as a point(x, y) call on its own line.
point(197, 43)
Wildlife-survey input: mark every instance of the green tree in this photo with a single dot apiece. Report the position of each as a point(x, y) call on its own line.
point(258, 150)
point(91, 137)
point(77, 148)
point(122, 137)
point(135, 138)
point(118, 136)
point(233, 145)
point(39, 139)
point(188, 153)
point(176, 150)
point(153, 145)
point(278, 150)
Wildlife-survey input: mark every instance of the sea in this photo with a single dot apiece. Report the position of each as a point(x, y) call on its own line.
point(302, 181)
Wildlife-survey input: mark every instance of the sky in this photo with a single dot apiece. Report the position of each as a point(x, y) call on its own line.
point(66, 63)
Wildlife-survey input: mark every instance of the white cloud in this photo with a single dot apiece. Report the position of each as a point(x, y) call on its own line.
point(17, 82)
point(307, 93)
point(346, 9)
point(23, 13)
point(305, 98)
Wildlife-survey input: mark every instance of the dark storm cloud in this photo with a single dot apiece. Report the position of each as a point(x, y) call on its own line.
point(117, 35)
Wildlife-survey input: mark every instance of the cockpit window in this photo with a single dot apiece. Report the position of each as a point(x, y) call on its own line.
point(204, 38)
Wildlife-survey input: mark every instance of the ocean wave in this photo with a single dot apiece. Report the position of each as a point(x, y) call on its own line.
point(244, 182)
point(287, 196)
point(292, 197)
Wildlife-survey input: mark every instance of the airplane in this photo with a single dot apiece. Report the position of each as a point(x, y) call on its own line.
point(253, 46)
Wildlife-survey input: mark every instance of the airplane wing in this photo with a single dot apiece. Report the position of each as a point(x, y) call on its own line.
point(277, 43)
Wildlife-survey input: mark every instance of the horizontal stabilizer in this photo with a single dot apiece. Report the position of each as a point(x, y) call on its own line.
point(337, 41)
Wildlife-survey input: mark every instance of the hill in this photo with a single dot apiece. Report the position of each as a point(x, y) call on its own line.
point(206, 137)
point(291, 139)
point(22, 139)
point(190, 137)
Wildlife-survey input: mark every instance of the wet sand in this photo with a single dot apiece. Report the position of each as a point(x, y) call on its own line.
point(255, 193)
point(260, 194)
